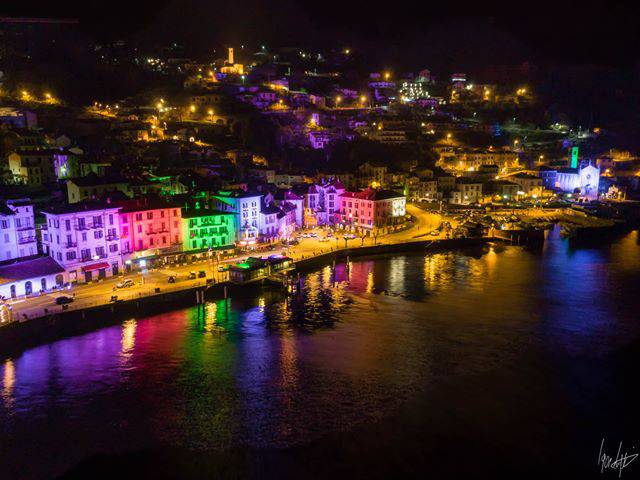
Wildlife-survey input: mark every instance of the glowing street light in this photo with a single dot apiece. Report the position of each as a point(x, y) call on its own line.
point(192, 108)
point(387, 75)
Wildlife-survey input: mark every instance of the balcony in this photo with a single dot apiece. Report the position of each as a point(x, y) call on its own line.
point(70, 244)
point(110, 238)
point(81, 227)
point(22, 228)
point(24, 240)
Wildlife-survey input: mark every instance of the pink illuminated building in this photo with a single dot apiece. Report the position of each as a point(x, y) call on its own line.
point(371, 208)
point(149, 227)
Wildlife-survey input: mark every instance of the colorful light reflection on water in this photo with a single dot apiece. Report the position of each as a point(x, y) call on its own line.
point(460, 334)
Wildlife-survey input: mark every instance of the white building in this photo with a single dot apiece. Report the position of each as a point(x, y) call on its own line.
point(32, 167)
point(530, 185)
point(268, 225)
point(321, 201)
point(17, 230)
point(85, 239)
point(30, 276)
point(585, 181)
point(247, 207)
point(467, 191)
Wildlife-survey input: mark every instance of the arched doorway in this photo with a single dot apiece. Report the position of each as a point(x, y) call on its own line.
point(28, 288)
point(13, 291)
point(59, 280)
point(43, 284)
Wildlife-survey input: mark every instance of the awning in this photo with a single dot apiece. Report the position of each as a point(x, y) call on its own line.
point(95, 266)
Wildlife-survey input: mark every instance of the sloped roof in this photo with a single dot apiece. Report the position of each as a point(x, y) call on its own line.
point(372, 194)
point(34, 268)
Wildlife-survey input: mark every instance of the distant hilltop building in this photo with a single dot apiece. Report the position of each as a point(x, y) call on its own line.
point(424, 76)
point(231, 67)
point(459, 81)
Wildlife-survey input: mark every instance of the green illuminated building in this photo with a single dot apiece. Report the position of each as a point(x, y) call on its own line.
point(203, 229)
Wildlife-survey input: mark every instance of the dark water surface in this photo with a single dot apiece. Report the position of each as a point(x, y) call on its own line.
point(494, 360)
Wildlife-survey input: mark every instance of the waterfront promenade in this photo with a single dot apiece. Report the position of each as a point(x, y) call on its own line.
point(154, 282)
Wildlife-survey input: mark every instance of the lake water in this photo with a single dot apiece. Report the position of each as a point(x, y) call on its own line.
point(499, 359)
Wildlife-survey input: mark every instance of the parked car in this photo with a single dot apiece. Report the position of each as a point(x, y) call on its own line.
point(202, 274)
point(223, 268)
point(323, 239)
point(125, 284)
point(293, 242)
point(63, 300)
point(192, 275)
point(172, 279)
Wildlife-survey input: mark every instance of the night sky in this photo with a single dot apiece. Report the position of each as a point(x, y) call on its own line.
point(408, 33)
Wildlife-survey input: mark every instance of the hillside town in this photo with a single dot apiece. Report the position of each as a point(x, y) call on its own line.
point(238, 153)
point(300, 240)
